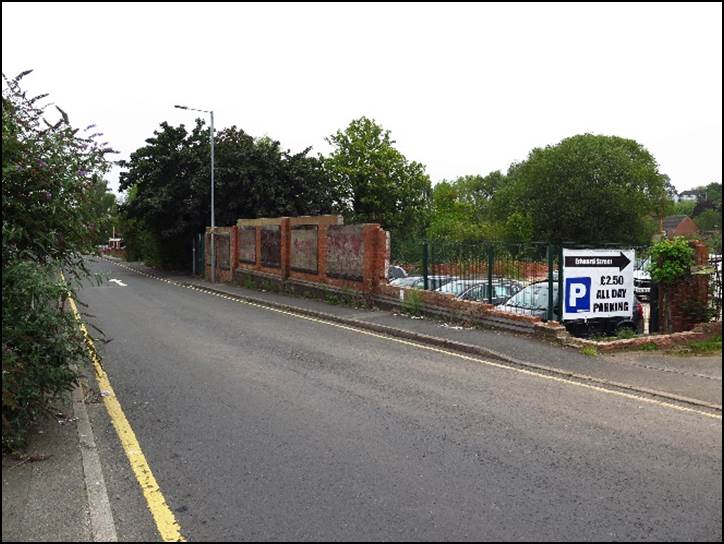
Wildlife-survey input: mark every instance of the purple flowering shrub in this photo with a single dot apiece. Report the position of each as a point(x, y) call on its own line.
point(50, 218)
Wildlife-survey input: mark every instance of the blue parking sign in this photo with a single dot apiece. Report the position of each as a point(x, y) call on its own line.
point(578, 295)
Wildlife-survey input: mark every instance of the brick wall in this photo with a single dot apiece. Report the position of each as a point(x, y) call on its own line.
point(226, 253)
point(318, 249)
point(682, 301)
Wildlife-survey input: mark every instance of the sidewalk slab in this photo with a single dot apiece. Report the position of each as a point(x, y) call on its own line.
point(46, 500)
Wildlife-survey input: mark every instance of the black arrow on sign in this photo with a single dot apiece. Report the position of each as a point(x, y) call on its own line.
point(590, 261)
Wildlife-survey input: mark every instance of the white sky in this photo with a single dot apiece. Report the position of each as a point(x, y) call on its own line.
point(464, 88)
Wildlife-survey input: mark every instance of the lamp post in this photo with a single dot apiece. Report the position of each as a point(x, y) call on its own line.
point(213, 224)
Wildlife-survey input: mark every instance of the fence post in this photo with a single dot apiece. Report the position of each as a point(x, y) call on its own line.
point(549, 255)
point(193, 256)
point(491, 262)
point(425, 262)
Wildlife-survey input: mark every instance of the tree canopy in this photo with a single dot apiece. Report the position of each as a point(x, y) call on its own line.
point(171, 190)
point(375, 182)
point(588, 188)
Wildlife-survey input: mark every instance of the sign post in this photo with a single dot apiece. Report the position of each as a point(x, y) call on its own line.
point(597, 283)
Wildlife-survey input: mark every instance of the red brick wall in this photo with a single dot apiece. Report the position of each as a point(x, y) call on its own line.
point(221, 275)
point(375, 251)
point(680, 300)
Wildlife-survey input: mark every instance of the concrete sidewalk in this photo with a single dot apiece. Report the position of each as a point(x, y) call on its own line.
point(693, 380)
point(44, 492)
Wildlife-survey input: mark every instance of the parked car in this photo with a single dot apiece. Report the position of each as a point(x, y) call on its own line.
point(477, 289)
point(642, 279)
point(533, 300)
point(418, 282)
point(395, 272)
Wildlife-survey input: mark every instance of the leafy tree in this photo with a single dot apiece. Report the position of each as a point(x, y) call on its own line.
point(708, 198)
point(170, 182)
point(50, 205)
point(587, 188)
point(682, 207)
point(708, 220)
point(461, 208)
point(375, 182)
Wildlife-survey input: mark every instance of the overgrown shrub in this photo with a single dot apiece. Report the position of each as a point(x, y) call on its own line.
point(50, 221)
point(412, 303)
point(671, 261)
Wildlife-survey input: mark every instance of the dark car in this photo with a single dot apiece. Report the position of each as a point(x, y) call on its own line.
point(395, 272)
point(533, 300)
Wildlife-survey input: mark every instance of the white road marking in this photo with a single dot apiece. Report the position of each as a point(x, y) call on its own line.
point(119, 282)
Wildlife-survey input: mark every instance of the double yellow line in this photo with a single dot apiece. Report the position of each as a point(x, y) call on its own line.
point(166, 522)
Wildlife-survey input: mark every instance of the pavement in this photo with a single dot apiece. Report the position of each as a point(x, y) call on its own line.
point(48, 494)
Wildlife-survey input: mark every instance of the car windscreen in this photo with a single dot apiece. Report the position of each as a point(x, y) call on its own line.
point(533, 297)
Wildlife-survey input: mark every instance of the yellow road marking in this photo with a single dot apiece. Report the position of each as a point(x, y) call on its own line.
point(445, 352)
point(166, 522)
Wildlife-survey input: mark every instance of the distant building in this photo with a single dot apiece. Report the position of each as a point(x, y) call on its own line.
point(686, 195)
point(680, 225)
point(115, 243)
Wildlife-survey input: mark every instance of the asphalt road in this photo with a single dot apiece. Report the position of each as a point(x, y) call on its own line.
point(264, 426)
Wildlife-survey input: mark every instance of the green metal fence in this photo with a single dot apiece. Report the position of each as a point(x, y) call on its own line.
point(518, 278)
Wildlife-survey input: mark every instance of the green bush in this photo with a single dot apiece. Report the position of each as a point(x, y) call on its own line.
point(671, 260)
point(41, 343)
point(412, 303)
point(52, 216)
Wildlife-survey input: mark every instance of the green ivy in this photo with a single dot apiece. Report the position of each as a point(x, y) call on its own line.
point(671, 260)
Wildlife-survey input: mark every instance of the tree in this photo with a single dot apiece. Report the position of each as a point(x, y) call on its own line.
point(170, 180)
point(461, 209)
point(587, 188)
point(375, 182)
point(708, 198)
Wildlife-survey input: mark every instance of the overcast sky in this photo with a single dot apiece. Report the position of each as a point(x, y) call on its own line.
point(464, 88)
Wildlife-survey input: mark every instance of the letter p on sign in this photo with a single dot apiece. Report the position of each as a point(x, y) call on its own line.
point(578, 295)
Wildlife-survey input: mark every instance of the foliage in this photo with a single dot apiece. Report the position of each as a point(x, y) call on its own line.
point(671, 260)
point(712, 345)
point(590, 351)
point(708, 220)
point(412, 302)
point(170, 192)
point(708, 197)
point(683, 207)
point(41, 342)
point(587, 188)
point(461, 208)
point(53, 207)
point(375, 183)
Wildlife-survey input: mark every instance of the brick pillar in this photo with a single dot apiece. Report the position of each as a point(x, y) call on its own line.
point(373, 264)
point(286, 241)
point(688, 297)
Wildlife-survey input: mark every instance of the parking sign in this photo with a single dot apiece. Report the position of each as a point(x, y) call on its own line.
point(597, 283)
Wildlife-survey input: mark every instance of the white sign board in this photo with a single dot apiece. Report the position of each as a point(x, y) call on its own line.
point(597, 283)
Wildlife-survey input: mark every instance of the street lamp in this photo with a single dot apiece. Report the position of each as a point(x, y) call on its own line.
point(213, 224)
